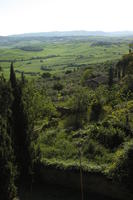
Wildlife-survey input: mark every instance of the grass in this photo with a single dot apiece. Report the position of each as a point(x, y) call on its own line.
point(69, 54)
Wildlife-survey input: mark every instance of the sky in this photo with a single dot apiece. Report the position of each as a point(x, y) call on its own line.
point(26, 16)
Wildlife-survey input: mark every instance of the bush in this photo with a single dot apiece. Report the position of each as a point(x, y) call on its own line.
point(127, 89)
point(58, 86)
point(31, 48)
point(68, 72)
point(78, 106)
point(110, 137)
point(86, 75)
point(46, 75)
point(93, 149)
point(55, 144)
point(57, 78)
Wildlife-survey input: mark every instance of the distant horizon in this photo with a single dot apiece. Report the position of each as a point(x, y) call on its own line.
point(67, 31)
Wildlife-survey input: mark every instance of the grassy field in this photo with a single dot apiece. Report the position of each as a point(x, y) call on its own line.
point(59, 54)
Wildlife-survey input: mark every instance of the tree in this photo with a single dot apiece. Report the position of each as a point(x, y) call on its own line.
point(58, 86)
point(13, 80)
point(5, 97)
point(1, 69)
point(7, 166)
point(122, 167)
point(130, 47)
point(86, 75)
point(127, 88)
point(110, 83)
point(46, 75)
point(96, 111)
point(78, 106)
point(20, 128)
point(22, 78)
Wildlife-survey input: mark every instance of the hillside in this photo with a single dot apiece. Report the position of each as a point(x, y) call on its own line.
point(71, 101)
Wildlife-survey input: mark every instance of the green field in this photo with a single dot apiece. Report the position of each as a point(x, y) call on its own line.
point(59, 54)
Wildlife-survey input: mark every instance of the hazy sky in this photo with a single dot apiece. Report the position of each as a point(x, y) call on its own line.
point(22, 16)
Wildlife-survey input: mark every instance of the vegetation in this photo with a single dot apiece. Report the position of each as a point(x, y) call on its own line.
point(31, 48)
point(74, 100)
point(60, 53)
point(7, 164)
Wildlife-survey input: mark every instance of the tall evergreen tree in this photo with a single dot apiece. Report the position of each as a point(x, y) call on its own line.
point(12, 76)
point(7, 167)
point(96, 111)
point(111, 76)
point(21, 130)
point(22, 78)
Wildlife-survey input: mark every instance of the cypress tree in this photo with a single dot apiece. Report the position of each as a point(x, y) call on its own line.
point(110, 83)
point(12, 76)
point(21, 130)
point(96, 111)
point(7, 166)
point(22, 78)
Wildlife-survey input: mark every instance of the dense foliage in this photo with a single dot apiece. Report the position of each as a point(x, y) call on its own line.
point(7, 158)
point(44, 120)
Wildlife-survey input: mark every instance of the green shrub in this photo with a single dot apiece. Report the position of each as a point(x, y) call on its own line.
point(78, 106)
point(68, 71)
point(56, 144)
point(46, 75)
point(92, 149)
point(58, 86)
point(31, 48)
point(86, 75)
point(110, 137)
